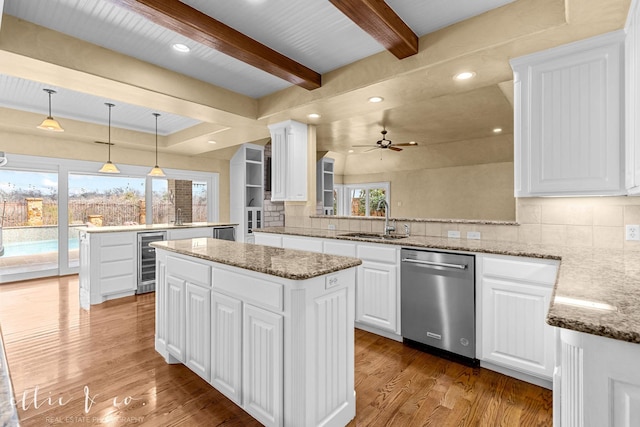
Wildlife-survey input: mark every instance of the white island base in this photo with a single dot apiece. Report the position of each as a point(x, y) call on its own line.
point(281, 349)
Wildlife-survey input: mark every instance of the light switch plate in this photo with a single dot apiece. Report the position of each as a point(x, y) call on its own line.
point(453, 234)
point(331, 227)
point(473, 235)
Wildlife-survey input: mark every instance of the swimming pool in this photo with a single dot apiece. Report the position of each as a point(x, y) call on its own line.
point(35, 247)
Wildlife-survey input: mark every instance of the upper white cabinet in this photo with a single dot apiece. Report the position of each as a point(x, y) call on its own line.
point(324, 185)
point(246, 179)
point(568, 104)
point(632, 82)
point(289, 161)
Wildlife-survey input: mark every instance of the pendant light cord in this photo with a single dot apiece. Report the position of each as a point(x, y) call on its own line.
point(109, 141)
point(156, 114)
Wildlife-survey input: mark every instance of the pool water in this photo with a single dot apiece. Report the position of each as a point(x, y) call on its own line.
point(35, 247)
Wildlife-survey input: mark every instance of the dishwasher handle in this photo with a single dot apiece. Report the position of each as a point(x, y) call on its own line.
point(435, 264)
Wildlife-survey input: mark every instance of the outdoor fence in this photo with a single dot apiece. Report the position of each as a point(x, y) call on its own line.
point(112, 212)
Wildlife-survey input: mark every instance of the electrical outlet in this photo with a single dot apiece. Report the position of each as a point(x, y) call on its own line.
point(473, 235)
point(331, 227)
point(632, 232)
point(453, 234)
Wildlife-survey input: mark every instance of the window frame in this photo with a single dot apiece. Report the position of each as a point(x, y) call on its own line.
point(344, 201)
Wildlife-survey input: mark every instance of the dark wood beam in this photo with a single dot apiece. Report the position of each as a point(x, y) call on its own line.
point(197, 26)
point(382, 23)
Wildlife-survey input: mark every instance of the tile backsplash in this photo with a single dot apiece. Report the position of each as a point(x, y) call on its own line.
point(580, 221)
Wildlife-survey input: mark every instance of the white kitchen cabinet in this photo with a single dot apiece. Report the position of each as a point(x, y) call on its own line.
point(175, 332)
point(246, 180)
point(108, 269)
point(226, 345)
point(189, 233)
point(568, 104)
point(632, 99)
point(198, 330)
point(377, 287)
point(288, 161)
point(262, 370)
point(337, 247)
point(302, 243)
point(324, 185)
point(267, 239)
point(596, 381)
point(516, 293)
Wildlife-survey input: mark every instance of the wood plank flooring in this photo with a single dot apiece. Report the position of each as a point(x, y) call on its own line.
point(70, 366)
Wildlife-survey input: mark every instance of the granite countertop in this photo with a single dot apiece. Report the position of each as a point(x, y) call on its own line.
point(287, 263)
point(446, 220)
point(597, 290)
point(143, 227)
point(8, 411)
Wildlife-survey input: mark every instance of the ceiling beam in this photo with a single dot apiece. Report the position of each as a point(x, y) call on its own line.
point(382, 23)
point(197, 26)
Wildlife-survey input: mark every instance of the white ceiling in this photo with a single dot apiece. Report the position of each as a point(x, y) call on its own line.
point(311, 32)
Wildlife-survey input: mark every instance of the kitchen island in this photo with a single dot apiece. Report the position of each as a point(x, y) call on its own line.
point(270, 328)
point(109, 257)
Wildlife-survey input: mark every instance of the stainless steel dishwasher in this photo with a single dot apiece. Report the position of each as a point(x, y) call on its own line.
point(438, 300)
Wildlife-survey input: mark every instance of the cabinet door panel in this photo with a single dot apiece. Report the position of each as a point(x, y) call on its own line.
point(198, 330)
point(514, 330)
point(262, 346)
point(376, 295)
point(175, 317)
point(278, 164)
point(226, 362)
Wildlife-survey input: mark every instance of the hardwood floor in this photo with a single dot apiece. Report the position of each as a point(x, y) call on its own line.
point(70, 366)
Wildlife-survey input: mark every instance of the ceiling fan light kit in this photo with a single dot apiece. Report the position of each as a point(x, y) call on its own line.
point(385, 143)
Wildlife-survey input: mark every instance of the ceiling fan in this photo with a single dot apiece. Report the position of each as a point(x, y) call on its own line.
point(386, 143)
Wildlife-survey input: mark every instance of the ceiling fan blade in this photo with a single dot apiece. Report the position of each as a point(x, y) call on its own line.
point(368, 145)
point(395, 148)
point(371, 149)
point(406, 144)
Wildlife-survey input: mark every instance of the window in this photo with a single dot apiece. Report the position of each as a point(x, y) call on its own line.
point(362, 199)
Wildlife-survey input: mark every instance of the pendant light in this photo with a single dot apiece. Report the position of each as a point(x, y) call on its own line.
point(109, 167)
point(156, 171)
point(50, 123)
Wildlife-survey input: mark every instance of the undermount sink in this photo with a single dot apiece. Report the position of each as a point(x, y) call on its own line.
point(377, 236)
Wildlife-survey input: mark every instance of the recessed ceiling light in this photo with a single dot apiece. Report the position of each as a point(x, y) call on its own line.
point(376, 99)
point(465, 75)
point(350, 151)
point(313, 116)
point(497, 130)
point(181, 47)
point(211, 141)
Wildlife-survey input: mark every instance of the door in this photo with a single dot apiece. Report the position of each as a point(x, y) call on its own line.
point(175, 317)
point(262, 385)
point(376, 295)
point(226, 359)
point(198, 330)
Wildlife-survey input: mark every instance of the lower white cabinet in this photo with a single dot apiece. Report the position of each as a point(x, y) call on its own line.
point(175, 317)
point(189, 233)
point(198, 329)
point(262, 369)
point(516, 293)
point(596, 381)
point(247, 357)
point(226, 345)
point(302, 243)
point(377, 287)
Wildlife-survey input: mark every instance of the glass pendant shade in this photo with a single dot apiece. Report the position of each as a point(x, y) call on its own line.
point(109, 167)
point(50, 124)
point(156, 171)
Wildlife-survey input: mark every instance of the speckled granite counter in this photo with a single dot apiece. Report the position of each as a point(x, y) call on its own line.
point(287, 263)
point(119, 228)
point(444, 220)
point(8, 412)
point(597, 291)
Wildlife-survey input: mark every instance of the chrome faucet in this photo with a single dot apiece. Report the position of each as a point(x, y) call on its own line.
point(179, 217)
point(387, 228)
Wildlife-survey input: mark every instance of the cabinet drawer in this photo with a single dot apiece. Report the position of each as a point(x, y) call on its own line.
point(525, 269)
point(262, 293)
point(114, 239)
point(121, 252)
point(378, 253)
point(302, 243)
point(339, 248)
point(189, 270)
